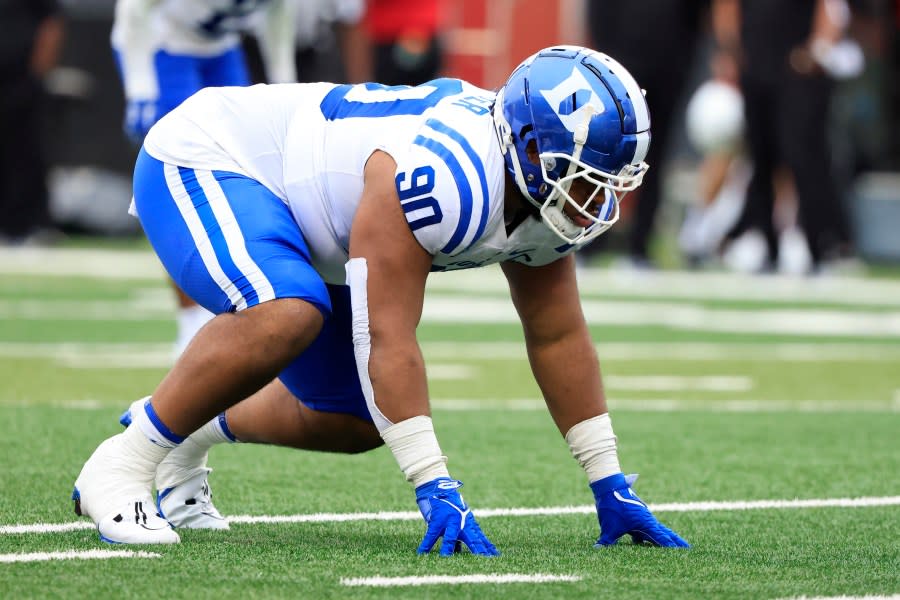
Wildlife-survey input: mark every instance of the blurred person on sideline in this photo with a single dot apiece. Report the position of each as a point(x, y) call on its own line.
point(167, 50)
point(714, 124)
point(310, 216)
point(31, 35)
point(330, 43)
point(406, 40)
point(788, 55)
point(656, 40)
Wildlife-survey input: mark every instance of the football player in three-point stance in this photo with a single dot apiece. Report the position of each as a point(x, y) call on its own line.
point(308, 217)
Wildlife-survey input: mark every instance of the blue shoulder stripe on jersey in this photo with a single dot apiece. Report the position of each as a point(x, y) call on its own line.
point(216, 235)
point(462, 185)
point(476, 162)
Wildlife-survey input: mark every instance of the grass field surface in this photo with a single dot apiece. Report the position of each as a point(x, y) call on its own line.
point(763, 415)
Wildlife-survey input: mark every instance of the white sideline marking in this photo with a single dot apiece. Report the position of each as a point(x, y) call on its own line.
point(891, 597)
point(449, 371)
point(86, 310)
point(46, 527)
point(680, 316)
point(455, 579)
point(76, 554)
point(473, 310)
point(606, 283)
point(680, 383)
point(664, 405)
point(82, 353)
point(143, 265)
point(703, 506)
point(680, 351)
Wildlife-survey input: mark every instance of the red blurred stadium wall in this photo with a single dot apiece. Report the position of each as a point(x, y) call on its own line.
point(486, 39)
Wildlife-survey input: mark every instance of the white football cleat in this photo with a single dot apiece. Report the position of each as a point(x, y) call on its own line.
point(182, 483)
point(114, 491)
point(134, 525)
point(189, 504)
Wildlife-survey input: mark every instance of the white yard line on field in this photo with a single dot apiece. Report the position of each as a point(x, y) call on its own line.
point(600, 282)
point(867, 597)
point(475, 310)
point(159, 354)
point(456, 579)
point(703, 506)
point(680, 316)
point(680, 351)
point(680, 383)
point(84, 310)
point(82, 262)
point(143, 265)
point(665, 405)
point(75, 554)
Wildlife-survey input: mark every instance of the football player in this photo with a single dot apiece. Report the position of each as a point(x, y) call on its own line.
point(309, 216)
point(168, 49)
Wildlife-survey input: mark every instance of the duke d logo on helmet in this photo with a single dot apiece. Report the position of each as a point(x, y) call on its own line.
point(572, 98)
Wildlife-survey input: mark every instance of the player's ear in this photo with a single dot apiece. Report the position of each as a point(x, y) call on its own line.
point(532, 152)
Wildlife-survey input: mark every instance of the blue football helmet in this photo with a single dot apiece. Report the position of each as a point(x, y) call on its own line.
point(587, 118)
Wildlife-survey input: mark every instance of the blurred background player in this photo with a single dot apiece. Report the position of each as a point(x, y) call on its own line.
point(31, 34)
point(788, 55)
point(330, 41)
point(714, 124)
point(656, 41)
point(166, 50)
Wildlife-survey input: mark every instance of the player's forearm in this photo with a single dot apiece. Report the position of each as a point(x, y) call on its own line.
point(574, 395)
point(397, 373)
point(568, 373)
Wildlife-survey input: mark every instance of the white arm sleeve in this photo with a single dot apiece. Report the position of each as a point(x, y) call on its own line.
point(276, 41)
point(133, 37)
point(357, 278)
point(412, 441)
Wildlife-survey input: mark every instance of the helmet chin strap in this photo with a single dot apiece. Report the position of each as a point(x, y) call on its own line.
point(560, 222)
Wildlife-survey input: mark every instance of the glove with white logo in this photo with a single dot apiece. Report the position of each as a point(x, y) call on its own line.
point(620, 511)
point(140, 115)
point(448, 516)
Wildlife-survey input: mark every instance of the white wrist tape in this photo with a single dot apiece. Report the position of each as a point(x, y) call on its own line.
point(357, 277)
point(593, 445)
point(416, 449)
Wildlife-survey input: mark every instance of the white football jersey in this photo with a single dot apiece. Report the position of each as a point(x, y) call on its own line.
point(309, 143)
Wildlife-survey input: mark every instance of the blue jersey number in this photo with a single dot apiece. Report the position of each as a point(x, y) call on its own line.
point(377, 100)
point(413, 198)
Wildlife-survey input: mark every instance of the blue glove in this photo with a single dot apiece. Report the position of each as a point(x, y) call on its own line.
point(448, 516)
point(620, 511)
point(140, 115)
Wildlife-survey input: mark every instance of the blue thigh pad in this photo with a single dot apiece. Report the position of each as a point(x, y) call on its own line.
point(324, 377)
point(225, 239)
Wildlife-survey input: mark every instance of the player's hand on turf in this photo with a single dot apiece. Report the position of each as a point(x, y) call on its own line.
point(449, 517)
point(140, 115)
point(621, 512)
